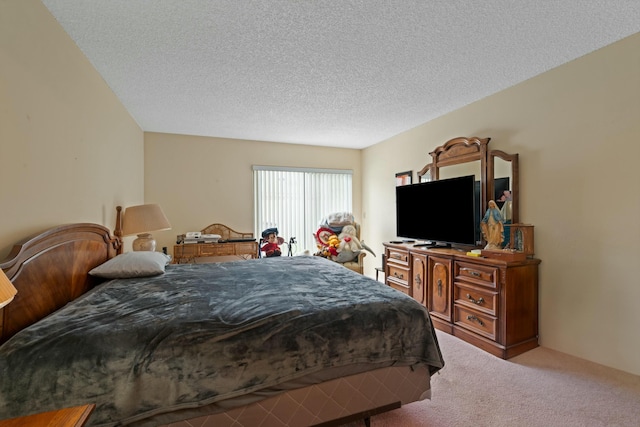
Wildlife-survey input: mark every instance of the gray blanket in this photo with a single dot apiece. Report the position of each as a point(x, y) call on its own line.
point(203, 333)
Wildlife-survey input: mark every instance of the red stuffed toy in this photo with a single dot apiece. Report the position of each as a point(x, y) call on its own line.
point(272, 246)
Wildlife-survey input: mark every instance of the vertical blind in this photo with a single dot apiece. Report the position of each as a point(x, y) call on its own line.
point(295, 200)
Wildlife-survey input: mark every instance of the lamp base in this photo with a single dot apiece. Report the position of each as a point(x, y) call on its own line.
point(144, 242)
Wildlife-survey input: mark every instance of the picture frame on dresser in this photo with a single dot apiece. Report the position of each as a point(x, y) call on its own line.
point(404, 178)
point(425, 177)
point(521, 238)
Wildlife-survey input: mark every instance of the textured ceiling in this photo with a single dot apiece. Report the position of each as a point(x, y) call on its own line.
point(326, 72)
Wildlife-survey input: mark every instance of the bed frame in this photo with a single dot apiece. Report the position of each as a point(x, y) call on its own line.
point(51, 269)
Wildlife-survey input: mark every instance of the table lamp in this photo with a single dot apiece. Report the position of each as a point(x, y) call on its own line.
point(7, 290)
point(142, 220)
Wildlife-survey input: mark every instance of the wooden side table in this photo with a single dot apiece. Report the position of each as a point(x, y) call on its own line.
point(68, 417)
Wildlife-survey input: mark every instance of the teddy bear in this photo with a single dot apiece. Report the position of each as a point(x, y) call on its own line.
point(349, 246)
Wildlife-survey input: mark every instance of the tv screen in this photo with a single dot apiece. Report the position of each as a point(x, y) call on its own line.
point(441, 212)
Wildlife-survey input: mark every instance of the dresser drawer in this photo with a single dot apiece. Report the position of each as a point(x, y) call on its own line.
point(399, 286)
point(477, 298)
point(476, 321)
point(478, 274)
point(397, 257)
point(216, 249)
point(400, 274)
point(248, 248)
point(186, 251)
point(228, 251)
point(397, 274)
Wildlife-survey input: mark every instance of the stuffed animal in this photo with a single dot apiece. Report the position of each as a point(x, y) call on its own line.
point(327, 243)
point(322, 237)
point(343, 247)
point(332, 246)
point(348, 238)
point(349, 246)
point(272, 246)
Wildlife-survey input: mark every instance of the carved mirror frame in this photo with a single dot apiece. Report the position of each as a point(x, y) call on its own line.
point(464, 150)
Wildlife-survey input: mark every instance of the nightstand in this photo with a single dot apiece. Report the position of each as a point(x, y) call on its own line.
point(67, 417)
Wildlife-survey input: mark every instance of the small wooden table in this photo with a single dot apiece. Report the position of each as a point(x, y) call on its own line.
point(68, 417)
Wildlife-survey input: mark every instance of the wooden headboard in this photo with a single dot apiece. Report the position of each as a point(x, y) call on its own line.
point(51, 269)
point(225, 232)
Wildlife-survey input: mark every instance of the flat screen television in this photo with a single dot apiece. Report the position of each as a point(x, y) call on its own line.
point(441, 213)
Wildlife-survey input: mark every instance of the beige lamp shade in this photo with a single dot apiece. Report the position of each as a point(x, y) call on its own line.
point(7, 290)
point(142, 220)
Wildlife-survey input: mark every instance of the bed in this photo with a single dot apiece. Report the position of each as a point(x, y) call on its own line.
point(288, 341)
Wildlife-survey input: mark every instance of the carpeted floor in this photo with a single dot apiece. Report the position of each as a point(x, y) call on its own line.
point(542, 388)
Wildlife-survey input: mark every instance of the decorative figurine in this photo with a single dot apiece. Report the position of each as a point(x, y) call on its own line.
point(492, 226)
point(272, 244)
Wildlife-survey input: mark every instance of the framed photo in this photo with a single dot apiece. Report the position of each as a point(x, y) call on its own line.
point(404, 178)
point(521, 238)
point(426, 177)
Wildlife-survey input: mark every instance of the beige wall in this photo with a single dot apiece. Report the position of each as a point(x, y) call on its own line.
point(577, 129)
point(69, 151)
point(200, 181)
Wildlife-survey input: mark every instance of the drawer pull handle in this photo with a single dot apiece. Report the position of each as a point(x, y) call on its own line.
point(399, 276)
point(472, 272)
point(475, 319)
point(439, 287)
point(478, 301)
point(395, 256)
point(418, 280)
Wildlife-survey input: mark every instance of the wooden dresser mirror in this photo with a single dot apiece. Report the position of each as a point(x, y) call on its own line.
point(496, 172)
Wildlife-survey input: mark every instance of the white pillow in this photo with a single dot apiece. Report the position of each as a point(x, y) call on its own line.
point(132, 264)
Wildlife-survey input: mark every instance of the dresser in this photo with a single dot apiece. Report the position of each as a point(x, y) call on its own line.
point(489, 303)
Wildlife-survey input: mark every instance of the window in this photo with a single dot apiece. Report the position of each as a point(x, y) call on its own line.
point(295, 200)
